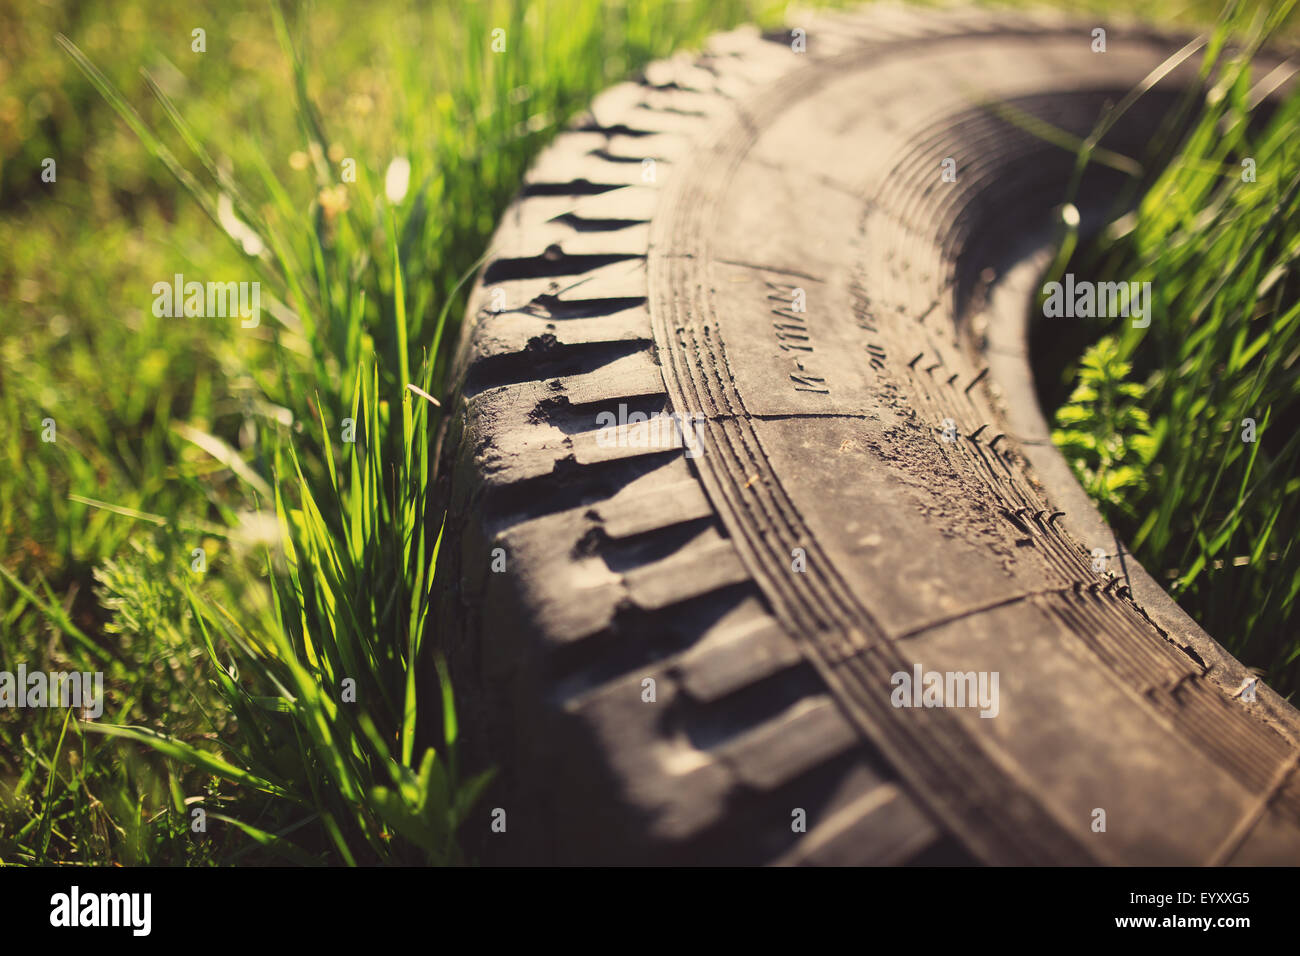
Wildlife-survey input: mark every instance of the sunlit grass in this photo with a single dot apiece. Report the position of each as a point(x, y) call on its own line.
point(1209, 499)
point(290, 691)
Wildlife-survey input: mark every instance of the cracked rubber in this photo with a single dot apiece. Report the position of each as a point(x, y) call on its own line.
point(792, 271)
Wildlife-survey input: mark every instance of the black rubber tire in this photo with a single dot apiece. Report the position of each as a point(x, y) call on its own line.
point(826, 535)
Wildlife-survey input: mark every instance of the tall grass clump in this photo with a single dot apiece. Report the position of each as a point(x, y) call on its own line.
point(287, 705)
point(1196, 462)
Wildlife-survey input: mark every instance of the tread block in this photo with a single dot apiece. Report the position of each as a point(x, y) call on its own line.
point(683, 576)
point(559, 297)
point(632, 511)
point(882, 827)
point(730, 659)
point(529, 337)
point(810, 732)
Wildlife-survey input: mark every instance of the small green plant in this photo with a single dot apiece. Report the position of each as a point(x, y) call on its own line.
point(1104, 431)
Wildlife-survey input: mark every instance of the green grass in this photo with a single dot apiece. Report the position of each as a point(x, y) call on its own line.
point(291, 690)
point(1156, 427)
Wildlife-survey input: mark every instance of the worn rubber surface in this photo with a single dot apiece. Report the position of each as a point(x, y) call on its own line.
point(818, 534)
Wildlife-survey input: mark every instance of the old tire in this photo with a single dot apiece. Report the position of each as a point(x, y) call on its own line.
point(826, 536)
